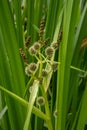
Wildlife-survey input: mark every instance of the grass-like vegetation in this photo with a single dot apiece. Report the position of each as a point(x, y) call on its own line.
point(43, 64)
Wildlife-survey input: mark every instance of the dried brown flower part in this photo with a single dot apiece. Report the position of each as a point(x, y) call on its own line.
point(46, 41)
point(23, 55)
point(84, 43)
point(42, 24)
point(59, 37)
point(27, 42)
point(54, 66)
point(54, 45)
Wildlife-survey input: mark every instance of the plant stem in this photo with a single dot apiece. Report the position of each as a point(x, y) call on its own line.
point(49, 123)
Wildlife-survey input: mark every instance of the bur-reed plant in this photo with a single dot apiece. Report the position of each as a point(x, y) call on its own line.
point(43, 65)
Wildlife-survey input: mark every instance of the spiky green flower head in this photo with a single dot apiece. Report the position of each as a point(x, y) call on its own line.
point(40, 101)
point(44, 73)
point(32, 51)
point(28, 71)
point(37, 45)
point(54, 66)
point(49, 51)
point(31, 68)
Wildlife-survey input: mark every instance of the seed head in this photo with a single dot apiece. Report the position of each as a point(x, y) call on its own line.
point(49, 57)
point(36, 45)
point(32, 51)
point(33, 67)
point(28, 71)
point(54, 45)
point(23, 55)
point(54, 66)
point(27, 42)
point(44, 73)
point(59, 37)
point(49, 51)
point(40, 80)
point(42, 24)
point(40, 101)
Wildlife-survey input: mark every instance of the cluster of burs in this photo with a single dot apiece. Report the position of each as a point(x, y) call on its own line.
point(43, 54)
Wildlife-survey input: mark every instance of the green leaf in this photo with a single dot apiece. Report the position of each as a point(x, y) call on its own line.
point(11, 65)
point(3, 112)
point(32, 98)
point(23, 102)
point(65, 58)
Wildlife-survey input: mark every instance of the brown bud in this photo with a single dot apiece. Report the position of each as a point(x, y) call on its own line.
point(54, 45)
point(27, 42)
point(23, 55)
point(59, 37)
point(42, 24)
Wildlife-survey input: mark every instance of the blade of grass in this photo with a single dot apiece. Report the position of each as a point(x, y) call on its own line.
point(65, 57)
point(76, 60)
point(15, 72)
point(19, 28)
point(30, 16)
point(31, 101)
point(3, 112)
point(11, 45)
point(82, 111)
point(23, 102)
point(54, 10)
point(3, 57)
point(48, 78)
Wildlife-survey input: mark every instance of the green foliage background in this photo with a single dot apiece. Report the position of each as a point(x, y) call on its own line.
point(68, 84)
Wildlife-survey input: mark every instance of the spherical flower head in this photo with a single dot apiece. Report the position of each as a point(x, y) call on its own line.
point(54, 66)
point(40, 80)
point(49, 51)
point(40, 101)
point(33, 67)
point(32, 50)
point(28, 71)
point(44, 73)
point(37, 45)
point(54, 45)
